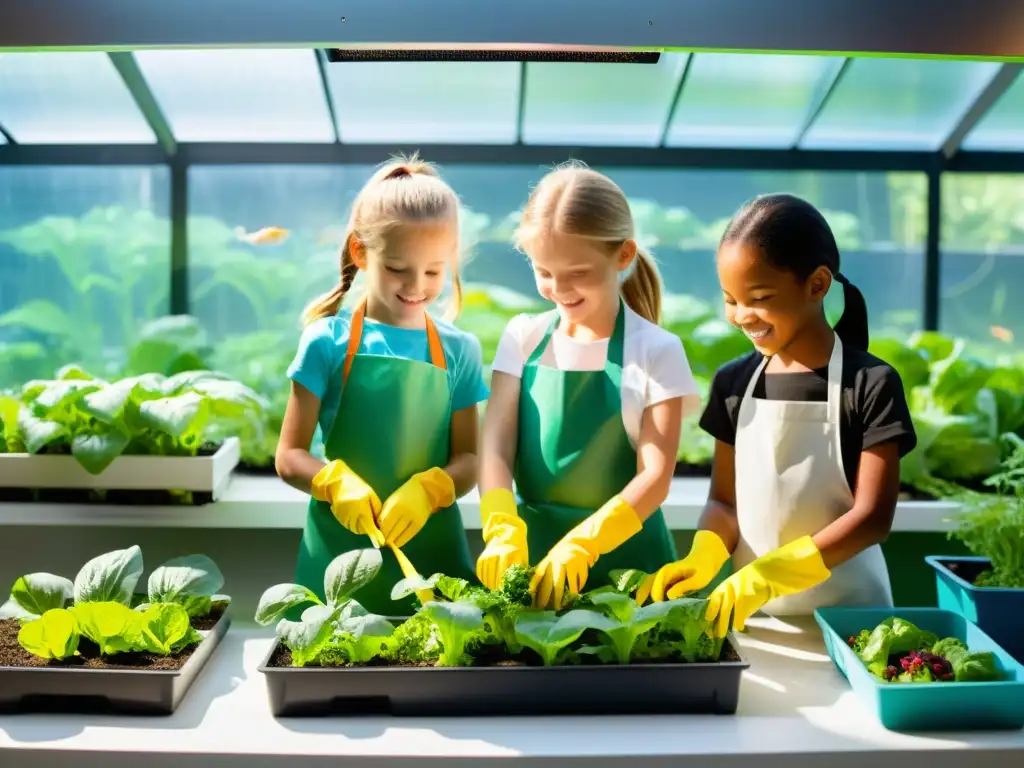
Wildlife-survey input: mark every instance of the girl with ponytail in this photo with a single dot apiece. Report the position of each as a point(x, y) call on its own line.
point(587, 400)
point(809, 431)
point(394, 391)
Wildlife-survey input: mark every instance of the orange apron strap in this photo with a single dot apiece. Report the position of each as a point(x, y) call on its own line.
point(434, 343)
point(355, 335)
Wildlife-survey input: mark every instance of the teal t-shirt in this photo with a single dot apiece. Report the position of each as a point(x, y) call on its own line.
point(321, 355)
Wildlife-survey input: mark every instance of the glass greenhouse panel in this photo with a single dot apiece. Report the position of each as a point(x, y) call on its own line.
point(983, 262)
point(239, 95)
point(600, 104)
point(435, 102)
point(1002, 127)
point(898, 104)
point(748, 100)
point(68, 98)
point(86, 260)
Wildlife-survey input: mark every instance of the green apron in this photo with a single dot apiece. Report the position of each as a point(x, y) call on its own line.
point(574, 455)
point(394, 420)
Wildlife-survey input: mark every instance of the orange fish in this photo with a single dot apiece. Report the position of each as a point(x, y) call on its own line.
point(264, 236)
point(1003, 334)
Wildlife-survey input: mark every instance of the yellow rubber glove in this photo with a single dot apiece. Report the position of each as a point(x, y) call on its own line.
point(695, 571)
point(407, 510)
point(568, 563)
point(354, 503)
point(792, 568)
point(505, 534)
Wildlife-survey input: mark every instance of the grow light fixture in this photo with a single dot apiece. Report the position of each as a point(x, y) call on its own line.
point(492, 52)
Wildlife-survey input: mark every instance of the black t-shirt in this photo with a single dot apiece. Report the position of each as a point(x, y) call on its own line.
point(874, 406)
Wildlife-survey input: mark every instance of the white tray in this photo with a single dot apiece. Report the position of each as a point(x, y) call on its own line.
point(129, 473)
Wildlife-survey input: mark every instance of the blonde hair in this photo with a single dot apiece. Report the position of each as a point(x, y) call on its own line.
point(402, 190)
point(575, 200)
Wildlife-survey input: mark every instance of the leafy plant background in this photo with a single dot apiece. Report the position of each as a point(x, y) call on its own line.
point(85, 257)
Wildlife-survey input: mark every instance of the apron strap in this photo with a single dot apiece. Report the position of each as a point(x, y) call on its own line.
point(355, 335)
point(616, 344)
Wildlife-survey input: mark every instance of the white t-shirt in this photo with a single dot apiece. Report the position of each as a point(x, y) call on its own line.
point(654, 364)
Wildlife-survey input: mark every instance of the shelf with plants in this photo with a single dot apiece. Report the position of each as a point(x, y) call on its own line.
point(470, 650)
point(146, 439)
point(96, 643)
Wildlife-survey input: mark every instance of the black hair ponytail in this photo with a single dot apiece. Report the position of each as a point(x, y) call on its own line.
point(796, 237)
point(852, 326)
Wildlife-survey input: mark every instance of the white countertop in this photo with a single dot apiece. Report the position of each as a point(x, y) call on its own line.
point(267, 502)
point(795, 710)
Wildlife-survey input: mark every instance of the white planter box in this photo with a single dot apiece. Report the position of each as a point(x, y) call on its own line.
point(208, 474)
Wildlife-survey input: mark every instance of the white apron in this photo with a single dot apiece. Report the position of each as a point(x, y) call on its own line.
point(790, 482)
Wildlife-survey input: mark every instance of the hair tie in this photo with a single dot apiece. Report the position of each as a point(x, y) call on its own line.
point(399, 173)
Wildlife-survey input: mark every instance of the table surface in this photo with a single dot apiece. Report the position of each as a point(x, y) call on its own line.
point(794, 709)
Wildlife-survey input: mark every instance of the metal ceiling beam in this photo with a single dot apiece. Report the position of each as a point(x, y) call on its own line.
point(82, 154)
point(677, 96)
point(985, 100)
point(825, 88)
point(135, 82)
point(972, 28)
point(521, 104)
point(514, 154)
point(326, 85)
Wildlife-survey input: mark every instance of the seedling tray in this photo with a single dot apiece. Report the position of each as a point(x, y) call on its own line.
point(106, 691)
point(610, 689)
point(61, 478)
point(999, 612)
point(927, 706)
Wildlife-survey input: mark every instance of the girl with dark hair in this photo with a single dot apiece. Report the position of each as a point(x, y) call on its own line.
point(809, 430)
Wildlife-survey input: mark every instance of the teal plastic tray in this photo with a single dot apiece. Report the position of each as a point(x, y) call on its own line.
point(926, 706)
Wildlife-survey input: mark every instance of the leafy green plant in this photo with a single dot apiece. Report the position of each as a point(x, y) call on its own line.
point(461, 624)
point(338, 627)
point(992, 525)
point(96, 421)
point(101, 605)
point(897, 651)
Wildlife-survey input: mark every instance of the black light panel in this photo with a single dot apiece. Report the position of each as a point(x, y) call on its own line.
point(337, 55)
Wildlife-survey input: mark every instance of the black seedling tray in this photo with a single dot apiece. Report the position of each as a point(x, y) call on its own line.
point(611, 689)
point(106, 691)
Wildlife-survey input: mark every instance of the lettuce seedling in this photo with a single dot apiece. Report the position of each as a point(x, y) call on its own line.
point(684, 634)
point(190, 581)
point(34, 594)
point(549, 634)
point(340, 625)
point(455, 622)
point(54, 635)
point(628, 621)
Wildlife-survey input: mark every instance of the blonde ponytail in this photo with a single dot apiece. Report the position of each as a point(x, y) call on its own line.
point(641, 290)
point(455, 305)
point(328, 304)
point(404, 189)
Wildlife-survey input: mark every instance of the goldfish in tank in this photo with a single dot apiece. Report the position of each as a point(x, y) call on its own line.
point(263, 236)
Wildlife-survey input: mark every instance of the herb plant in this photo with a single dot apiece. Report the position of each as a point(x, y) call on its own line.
point(992, 525)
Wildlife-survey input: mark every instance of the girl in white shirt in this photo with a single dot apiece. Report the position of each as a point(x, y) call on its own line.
point(587, 400)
